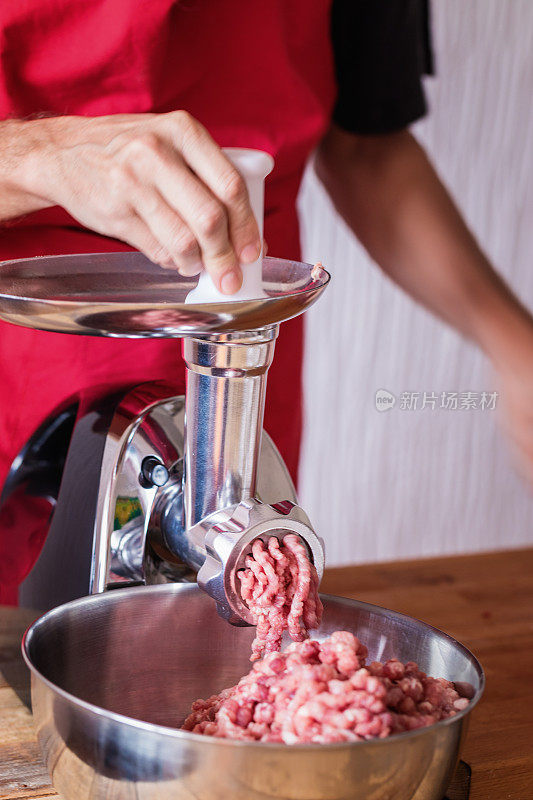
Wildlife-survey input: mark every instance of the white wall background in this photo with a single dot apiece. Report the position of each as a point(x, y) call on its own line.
point(404, 483)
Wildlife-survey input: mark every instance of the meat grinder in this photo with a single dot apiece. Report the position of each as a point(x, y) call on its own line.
point(142, 486)
point(139, 486)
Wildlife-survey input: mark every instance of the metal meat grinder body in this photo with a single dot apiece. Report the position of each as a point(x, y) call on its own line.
point(142, 486)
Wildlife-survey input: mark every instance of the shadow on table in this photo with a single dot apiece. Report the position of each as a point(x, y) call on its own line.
point(14, 672)
point(460, 785)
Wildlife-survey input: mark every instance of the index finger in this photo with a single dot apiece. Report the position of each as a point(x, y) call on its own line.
point(214, 168)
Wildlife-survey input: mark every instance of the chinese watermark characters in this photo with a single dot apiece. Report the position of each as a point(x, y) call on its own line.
point(432, 401)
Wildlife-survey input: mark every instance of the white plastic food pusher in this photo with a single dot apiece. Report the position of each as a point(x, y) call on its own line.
point(254, 166)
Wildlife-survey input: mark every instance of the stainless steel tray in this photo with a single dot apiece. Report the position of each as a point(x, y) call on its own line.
point(126, 295)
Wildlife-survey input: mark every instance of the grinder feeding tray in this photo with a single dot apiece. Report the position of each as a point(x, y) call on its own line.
point(125, 295)
point(144, 498)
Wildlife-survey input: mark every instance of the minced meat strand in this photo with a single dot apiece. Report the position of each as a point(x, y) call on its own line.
point(324, 692)
point(280, 587)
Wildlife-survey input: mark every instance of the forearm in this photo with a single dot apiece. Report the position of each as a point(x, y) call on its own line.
point(28, 157)
point(19, 141)
point(391, 197)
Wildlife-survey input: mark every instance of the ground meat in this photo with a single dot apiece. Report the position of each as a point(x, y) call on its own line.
point(315, 272)
point(280, 587)
point(323, 692)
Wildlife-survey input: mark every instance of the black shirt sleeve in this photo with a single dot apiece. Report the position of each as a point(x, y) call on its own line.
point(382, 48)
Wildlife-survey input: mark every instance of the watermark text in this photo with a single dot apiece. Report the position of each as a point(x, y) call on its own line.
point(384, 400)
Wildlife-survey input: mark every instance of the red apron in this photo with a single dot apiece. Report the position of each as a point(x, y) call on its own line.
point(255, 74)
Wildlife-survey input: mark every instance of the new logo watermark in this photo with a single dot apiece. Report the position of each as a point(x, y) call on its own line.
point(384, 400)
point(431, 401)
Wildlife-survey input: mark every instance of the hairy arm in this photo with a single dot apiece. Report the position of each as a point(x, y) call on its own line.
point(30, 149)
point(18, 141)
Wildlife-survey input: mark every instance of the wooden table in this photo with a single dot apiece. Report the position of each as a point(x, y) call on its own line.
point(485, 601)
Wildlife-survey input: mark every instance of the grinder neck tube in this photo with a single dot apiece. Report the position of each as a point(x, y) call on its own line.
point(224, 408)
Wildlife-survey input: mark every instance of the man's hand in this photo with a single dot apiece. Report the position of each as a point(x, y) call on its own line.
point(156, 181)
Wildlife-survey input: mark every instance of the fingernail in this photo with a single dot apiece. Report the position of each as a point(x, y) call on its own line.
point(230, 283)
point(189, 270)
point(249, 253)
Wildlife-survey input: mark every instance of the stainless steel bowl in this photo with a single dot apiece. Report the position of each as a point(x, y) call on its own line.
point(114, 675)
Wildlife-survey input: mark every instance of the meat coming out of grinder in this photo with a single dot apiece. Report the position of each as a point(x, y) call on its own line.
point(321, 692)
point(280, 587)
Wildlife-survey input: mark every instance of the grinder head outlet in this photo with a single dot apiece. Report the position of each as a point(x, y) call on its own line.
point(229, 535)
